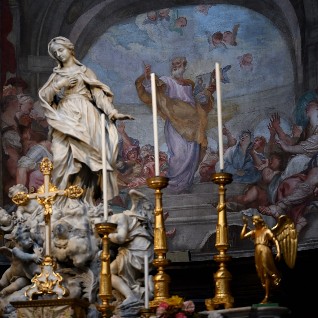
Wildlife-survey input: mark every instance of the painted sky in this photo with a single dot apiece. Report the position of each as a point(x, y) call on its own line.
point(256, 90)
point(119, 55)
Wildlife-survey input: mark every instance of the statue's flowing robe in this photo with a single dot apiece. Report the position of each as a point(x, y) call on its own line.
point(74, 117)
point(264, 260)
point(130, 257)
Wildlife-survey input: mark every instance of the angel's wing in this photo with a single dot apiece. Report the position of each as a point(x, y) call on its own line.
point(88, 283)
point(135, 197)
point(286, 234)
point(86, 279)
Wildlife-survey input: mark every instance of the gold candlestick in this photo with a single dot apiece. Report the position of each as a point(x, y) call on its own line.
point(161, 279)
point(222, 277)
point(105, 285)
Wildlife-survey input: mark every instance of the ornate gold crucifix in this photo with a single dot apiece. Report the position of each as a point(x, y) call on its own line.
point(47, 282)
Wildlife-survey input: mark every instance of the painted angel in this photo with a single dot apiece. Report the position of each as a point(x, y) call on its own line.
point(283, 236)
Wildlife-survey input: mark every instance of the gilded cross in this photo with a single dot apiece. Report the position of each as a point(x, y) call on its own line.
point(47, 282)
point(46, 195)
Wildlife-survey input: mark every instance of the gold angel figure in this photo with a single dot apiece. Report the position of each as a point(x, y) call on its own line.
point(283, 236)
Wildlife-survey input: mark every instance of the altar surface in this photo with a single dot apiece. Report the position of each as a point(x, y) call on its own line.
point(73, 308)
point(255, 311)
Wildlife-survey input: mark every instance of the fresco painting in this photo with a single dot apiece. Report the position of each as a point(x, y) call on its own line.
point(269, 137)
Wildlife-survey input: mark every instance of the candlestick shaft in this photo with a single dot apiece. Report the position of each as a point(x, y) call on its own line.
point(48, 217)
point(219, 112)
point(105, 285)
point(161, 279)
point(155, 122)
point(222, 277)
point(48, 236)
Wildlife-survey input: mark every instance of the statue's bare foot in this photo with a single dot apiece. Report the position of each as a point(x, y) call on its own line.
point(265, 300)
point(132, 299)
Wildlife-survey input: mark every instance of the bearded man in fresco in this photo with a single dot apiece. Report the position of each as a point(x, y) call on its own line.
point(186, 121)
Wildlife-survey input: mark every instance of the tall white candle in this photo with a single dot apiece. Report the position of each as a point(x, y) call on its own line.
point(146, 281)
point(219, 111)
point(104, 167)
point(155, 122)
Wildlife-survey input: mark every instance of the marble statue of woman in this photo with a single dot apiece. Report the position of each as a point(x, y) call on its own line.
point(74, 100)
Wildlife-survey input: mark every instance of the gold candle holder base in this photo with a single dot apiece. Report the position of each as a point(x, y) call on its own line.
point(105, 285)
point(222, 277)
point(161, 279)
point(48, 282)
point(146, 312)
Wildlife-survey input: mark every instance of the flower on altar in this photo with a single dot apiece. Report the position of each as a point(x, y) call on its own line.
point(176, 307)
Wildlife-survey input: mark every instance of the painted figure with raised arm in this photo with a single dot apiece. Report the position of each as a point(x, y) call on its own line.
point(186, 121)
point(300, 177)
point(74, 100)
point(239, 162)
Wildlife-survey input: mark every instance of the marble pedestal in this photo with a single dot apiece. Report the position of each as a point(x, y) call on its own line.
point(255, 311)
point(73, 308)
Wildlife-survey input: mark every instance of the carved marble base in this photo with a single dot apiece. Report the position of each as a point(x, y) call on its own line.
point(73, 308)
point(255, 311)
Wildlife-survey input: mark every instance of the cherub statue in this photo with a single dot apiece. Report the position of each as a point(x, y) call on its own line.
point(24, 257)
point(134, 236)
point(31, 214)
point(25, 211)
point(6, 221)
point(284, 236)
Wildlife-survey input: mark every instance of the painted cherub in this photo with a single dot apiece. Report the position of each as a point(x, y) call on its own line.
point(24, 257)
point(203, 8)
point(283, 236)
point(229, 36)
point(178, 23)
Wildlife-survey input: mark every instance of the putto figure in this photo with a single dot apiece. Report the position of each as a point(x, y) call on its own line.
point(25, 258)
point(283, 236)
point(74, 100)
